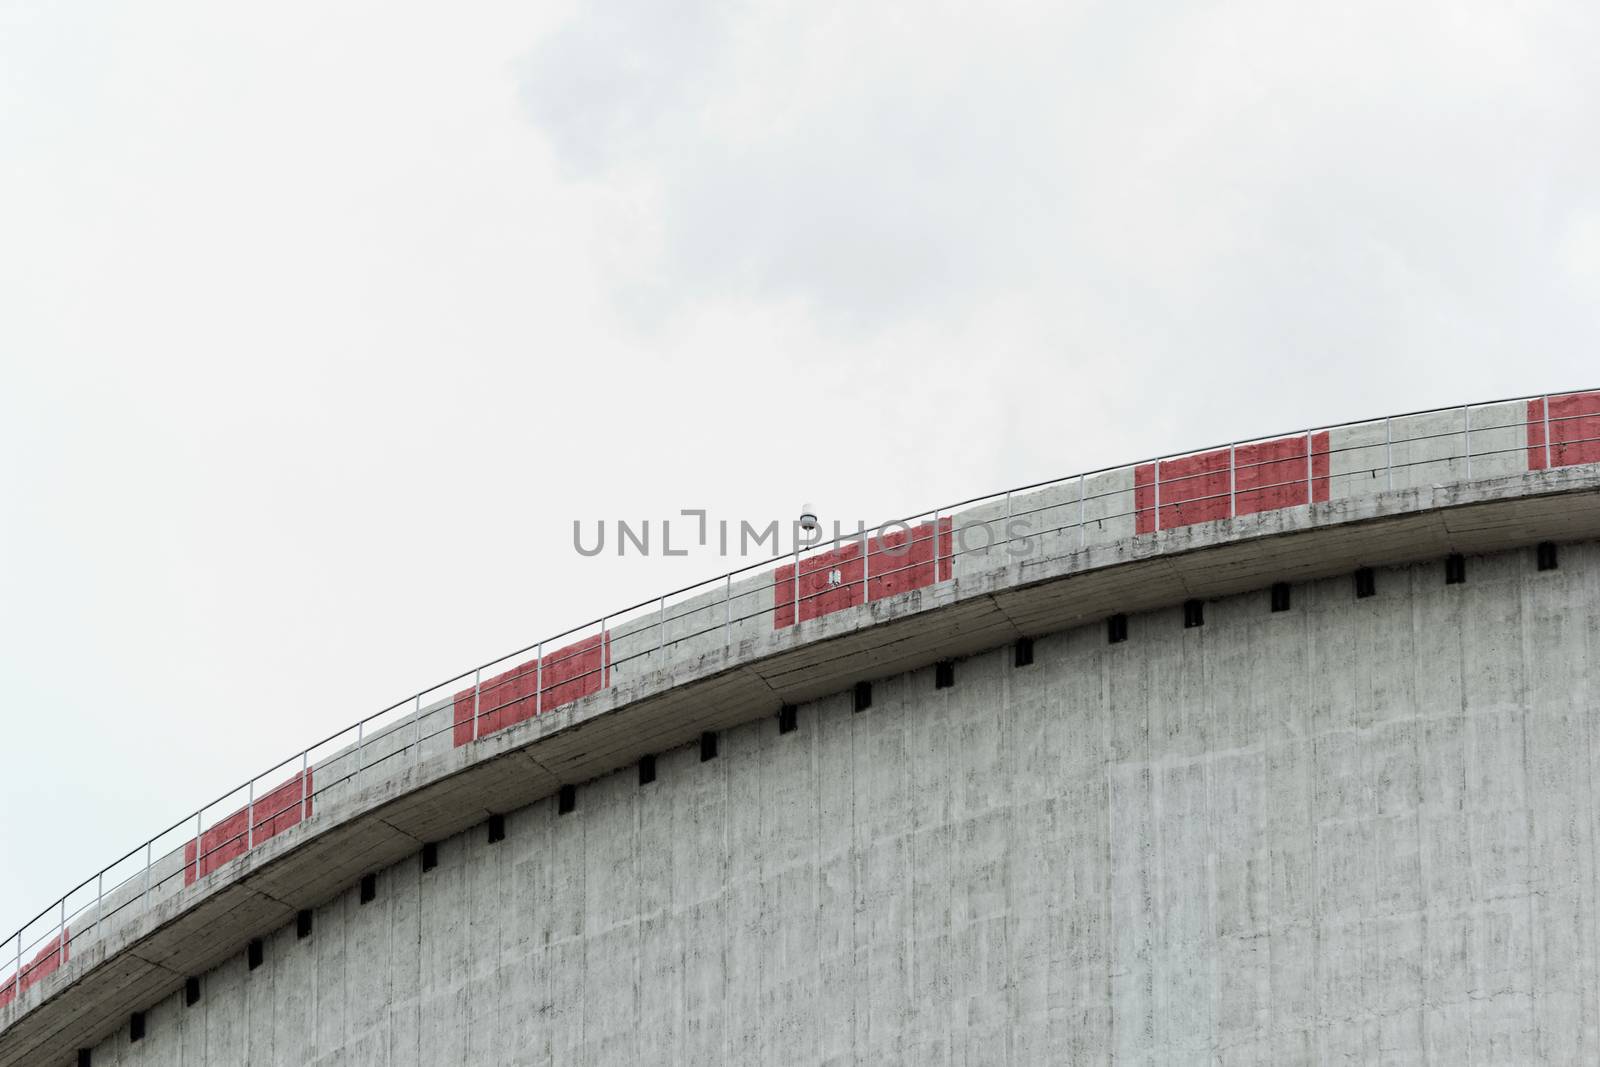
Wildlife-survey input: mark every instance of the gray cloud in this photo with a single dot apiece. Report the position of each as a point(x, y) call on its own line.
point(605, 86)
point(1234, 177)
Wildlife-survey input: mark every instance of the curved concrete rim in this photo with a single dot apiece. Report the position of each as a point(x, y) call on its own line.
point(389, 810)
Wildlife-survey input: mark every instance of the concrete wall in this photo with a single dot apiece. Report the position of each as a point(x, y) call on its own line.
point(1359, 830)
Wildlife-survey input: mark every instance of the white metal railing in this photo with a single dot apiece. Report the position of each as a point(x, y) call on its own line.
point(704, 618)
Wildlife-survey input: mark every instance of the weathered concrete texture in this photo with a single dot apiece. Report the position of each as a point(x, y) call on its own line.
point(371, 812)
point(1358, 830)
point(1373, 470)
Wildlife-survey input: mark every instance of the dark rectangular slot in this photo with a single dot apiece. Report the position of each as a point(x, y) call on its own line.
point(708, 746)
point(788, 719)
point(647, 769)
point(1022, 652)
point(430, 855)
point(567, 800)
point(369, 888)
point(136, 1026)
point(1117, 629)
point(1194, 614)
point(1455, 569)
point(1366, 582)
point(497, 828)
point(191, 991)
point(863, 696)
point(255, 953)
point(1547, 555)
point(302, 924)
point(83, 1057)
point(944, 674)
point(1280, 596)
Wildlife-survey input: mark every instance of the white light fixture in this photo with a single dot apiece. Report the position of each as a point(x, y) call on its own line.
point(808, 519)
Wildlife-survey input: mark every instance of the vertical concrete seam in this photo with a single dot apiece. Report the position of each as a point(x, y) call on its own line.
point(316, 998)
point(814, 721)
point(1008, 765)
point(1208, 695)
point(1315, 889)
point(1589, 806)
point(421, 889)
point(1101, 660)
point(496, 907)
point(855, 889)
point(1469, 761)
point(1207, 767)
point(1419, 814)
point(582, 932)
point(721, 772)
point(1587, 980)
point(1535, 866)
point(812, 729)
point(639, 922)
point(1160, 976)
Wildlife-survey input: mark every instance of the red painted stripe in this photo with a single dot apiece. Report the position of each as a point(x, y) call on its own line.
point(272, 813)
point(1272, 474)
point(508, 698)
point(1267, 475)
point(45, 962)
point(901, 561)
point(897, 562)
point(1193, 489)
point(1574, 431)
point(818, 596)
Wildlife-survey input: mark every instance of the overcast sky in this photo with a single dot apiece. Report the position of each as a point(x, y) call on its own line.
point(321, 323)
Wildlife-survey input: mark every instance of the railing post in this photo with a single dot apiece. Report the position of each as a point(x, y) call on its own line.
point(866, 566)
point(1547, 431)
point(416, 718)
point(538, 673)
point(250, 803)
point(197, 840)
point(305, 791)
point(61, 933)
point(1233, 479)
point(147, 874)
point(1388, 451)
point(100, 899)
point(1082, 519)
point(727, 612)
point(361, 736)
point(477, 694)
point(1310, 480)
point(661, 626)
point(1466, 435)
point(1155, 480)
point(1007, 528)
point(18, 979)
point(797, 585)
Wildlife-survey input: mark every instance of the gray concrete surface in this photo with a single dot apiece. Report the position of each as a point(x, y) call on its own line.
point(718, 669)
point(1357, 831)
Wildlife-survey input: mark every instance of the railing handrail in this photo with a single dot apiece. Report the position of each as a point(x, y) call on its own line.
point(796, 553)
